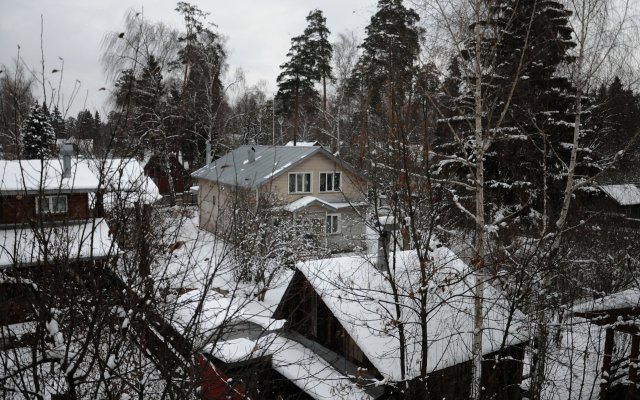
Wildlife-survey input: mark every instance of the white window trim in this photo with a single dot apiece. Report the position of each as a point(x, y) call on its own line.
point(339, 223)
point(332, 173)
point(50, 201)
point(298, 173)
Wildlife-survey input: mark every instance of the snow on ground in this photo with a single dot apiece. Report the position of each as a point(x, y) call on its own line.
point(89, 356)
point(205, 266)
point(201, 291)
point(572, 370)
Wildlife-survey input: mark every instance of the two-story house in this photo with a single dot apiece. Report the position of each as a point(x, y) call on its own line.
point(48, 223)
point(321, 192)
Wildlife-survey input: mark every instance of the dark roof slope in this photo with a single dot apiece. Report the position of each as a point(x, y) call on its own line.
point(235, 169)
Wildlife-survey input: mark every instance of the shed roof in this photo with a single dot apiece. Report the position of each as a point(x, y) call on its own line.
point(236, 169)
point(126, 182)
point(359, 296)
point(624, 195)
point(26, 246)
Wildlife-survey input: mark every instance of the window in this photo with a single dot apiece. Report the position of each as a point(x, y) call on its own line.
point(382, 201)
point(333, 224)
point(300, 182)
point(52, 204)
point(330, 181)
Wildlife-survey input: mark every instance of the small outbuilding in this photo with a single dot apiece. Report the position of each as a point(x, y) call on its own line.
point(354, 309)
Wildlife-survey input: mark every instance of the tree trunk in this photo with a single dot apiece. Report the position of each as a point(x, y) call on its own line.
point(166, 166)
point(478, 261)
point(295, 118)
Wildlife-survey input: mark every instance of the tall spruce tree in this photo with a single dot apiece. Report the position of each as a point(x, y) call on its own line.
point(527, 102)
point(58, 124)
point(85, 125)
point(38, 137)
point(149, 107)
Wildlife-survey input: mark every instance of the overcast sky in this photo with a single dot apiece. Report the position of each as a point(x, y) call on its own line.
point(258, 32)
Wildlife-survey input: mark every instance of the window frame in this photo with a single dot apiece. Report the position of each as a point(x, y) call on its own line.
point(329, 217)
point(333, 174)
point(296, 182)
point(50, 203)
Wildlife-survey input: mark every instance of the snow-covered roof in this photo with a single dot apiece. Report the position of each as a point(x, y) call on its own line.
point(302, 144)
point(236, 169)
point(310, 372)
point(629, 298)
point(359, 296)
point(31, 176)
point(306, 369)
point(308, 201)
point(125, 181)
point(624, 195)
point(26, 246)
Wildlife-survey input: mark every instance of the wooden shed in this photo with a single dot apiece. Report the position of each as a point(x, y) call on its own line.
point(346, 305)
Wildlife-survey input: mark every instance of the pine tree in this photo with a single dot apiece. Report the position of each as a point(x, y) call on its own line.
point(97, 121)
point(296, 89)
point(383, 77)
point(317, 38)
point(389, 52)
point(38, 137)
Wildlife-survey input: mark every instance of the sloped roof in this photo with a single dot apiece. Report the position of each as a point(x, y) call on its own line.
point(626, 299)
point(359, 296)
point(126, 182)
point(235, 169)
point(22, 176)
point(307, 370)
point(26, 246)
point(624, 195)
point(307, 201)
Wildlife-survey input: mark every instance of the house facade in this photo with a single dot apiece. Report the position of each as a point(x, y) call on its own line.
point(48, 219)
point(321, 193)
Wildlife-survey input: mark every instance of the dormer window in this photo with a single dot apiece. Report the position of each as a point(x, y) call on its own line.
point(329, 181)
point(300, 182)
point(52, 205)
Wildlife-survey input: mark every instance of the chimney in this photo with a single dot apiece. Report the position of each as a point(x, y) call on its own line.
point(386, 225)
point(66, 151)
point(251, 154)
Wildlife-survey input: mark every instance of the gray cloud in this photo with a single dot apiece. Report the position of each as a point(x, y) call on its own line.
point(258, 33)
